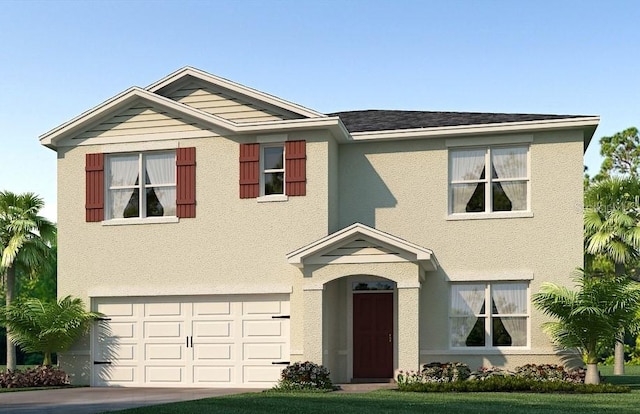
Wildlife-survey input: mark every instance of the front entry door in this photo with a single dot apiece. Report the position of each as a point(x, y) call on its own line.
point(373, 335)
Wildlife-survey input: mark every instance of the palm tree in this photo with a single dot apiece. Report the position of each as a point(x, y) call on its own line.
point(612, 231)
point(48, 326)
point(24, 242)
point(590, 318)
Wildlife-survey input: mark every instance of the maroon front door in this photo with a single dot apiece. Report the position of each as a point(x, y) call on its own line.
point(373, 335)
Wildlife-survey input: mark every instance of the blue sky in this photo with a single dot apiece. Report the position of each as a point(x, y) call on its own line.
point(60, 58)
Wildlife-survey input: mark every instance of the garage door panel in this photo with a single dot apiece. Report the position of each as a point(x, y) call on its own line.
point(165, 352)
point(121, 330)
point(164, 374)
point(263, 351)
point(163, 330)
point(116, 309)
point(261, 374)
point(211, 308)
point(261, 307)
point(212, 329)
point(122, 375)
point(163, 309)
point(261, 328)
point(218, 375)
point(220, 352)
point(112, 350)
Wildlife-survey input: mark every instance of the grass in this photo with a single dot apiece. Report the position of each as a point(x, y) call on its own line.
point(386, 401)
point(631, 377)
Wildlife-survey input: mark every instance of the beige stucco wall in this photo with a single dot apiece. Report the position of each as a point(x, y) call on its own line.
point(232, 246)
point(401, 188)
point(240, 246)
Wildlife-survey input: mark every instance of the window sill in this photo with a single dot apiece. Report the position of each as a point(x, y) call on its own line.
point(134, 221)
point(488, 216)
point(504, 350)
point(273, 198)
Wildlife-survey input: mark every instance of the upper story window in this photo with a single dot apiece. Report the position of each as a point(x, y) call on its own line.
point(273, 173)
point(489, 314)
point(120, 187)
point(489, 179)
point(141, 185)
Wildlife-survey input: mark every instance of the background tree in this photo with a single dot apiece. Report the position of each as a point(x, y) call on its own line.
point(621, 154)
point(48, 326)
point(25, 241)
point(589, 319)
point(612, 232)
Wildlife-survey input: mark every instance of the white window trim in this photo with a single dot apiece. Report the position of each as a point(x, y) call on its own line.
point(108, 221)
point(273, 197)
point(487, 181)
point(488, 326)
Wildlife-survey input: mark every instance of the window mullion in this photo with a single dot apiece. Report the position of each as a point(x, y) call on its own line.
point(488, 173)
point(142, 198)
point(488, 311)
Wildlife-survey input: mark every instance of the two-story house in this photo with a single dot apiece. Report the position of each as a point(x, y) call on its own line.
point(225, 232)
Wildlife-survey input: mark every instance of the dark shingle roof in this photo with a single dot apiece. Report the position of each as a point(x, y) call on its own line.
point(385, 120)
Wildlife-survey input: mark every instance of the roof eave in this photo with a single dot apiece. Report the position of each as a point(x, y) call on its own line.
point(587, 123)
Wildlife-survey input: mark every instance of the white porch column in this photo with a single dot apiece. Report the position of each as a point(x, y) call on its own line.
point(408, 328)
point(313, 338)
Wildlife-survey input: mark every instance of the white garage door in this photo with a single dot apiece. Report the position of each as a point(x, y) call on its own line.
point(209, 341)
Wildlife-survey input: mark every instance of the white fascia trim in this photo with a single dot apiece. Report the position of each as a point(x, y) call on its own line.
point(108, 107)
point(90, 117)
point(235, 87)
point(439, 132)
point(297, 257)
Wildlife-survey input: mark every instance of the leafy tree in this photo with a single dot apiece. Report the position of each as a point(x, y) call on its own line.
point(590, 318)
point(25, 238)
point(621, 154)
point(612, 232)
point(48, 326)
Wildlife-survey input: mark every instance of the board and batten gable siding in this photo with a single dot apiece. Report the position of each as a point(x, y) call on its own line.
point(225, 105)
point(139, 120)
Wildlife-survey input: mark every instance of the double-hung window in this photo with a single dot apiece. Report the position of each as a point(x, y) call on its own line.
point(489, 179)
point(489, 315)
point(273, 174)
point(141, 185)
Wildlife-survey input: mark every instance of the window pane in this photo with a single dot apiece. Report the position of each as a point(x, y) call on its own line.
point(273, 158)
point(466, 332)
point(124, 203)
point(510, 196)
point(273, 183)
point(509, 162)
point(123, 170)
point(467, 164)
point(509, 298)
point(468, 198)
point(510, 331)
point(160, 168)
point(161, 201)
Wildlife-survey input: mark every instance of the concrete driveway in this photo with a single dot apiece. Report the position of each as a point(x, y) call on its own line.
point(87, 400)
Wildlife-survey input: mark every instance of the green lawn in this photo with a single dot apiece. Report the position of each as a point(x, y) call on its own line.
point(397, 402)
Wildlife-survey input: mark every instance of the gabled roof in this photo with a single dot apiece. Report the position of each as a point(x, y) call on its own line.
point(386, 248)
point(187, 71)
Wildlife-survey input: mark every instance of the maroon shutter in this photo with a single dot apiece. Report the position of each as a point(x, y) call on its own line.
point(249, 170)
point(94, 201)
point(296, 168)
point(186, 182)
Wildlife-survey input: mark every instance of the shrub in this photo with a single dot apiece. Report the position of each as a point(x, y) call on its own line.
point(499, 383)
point(304, 376)
point(447, 372)
point(40, 376)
